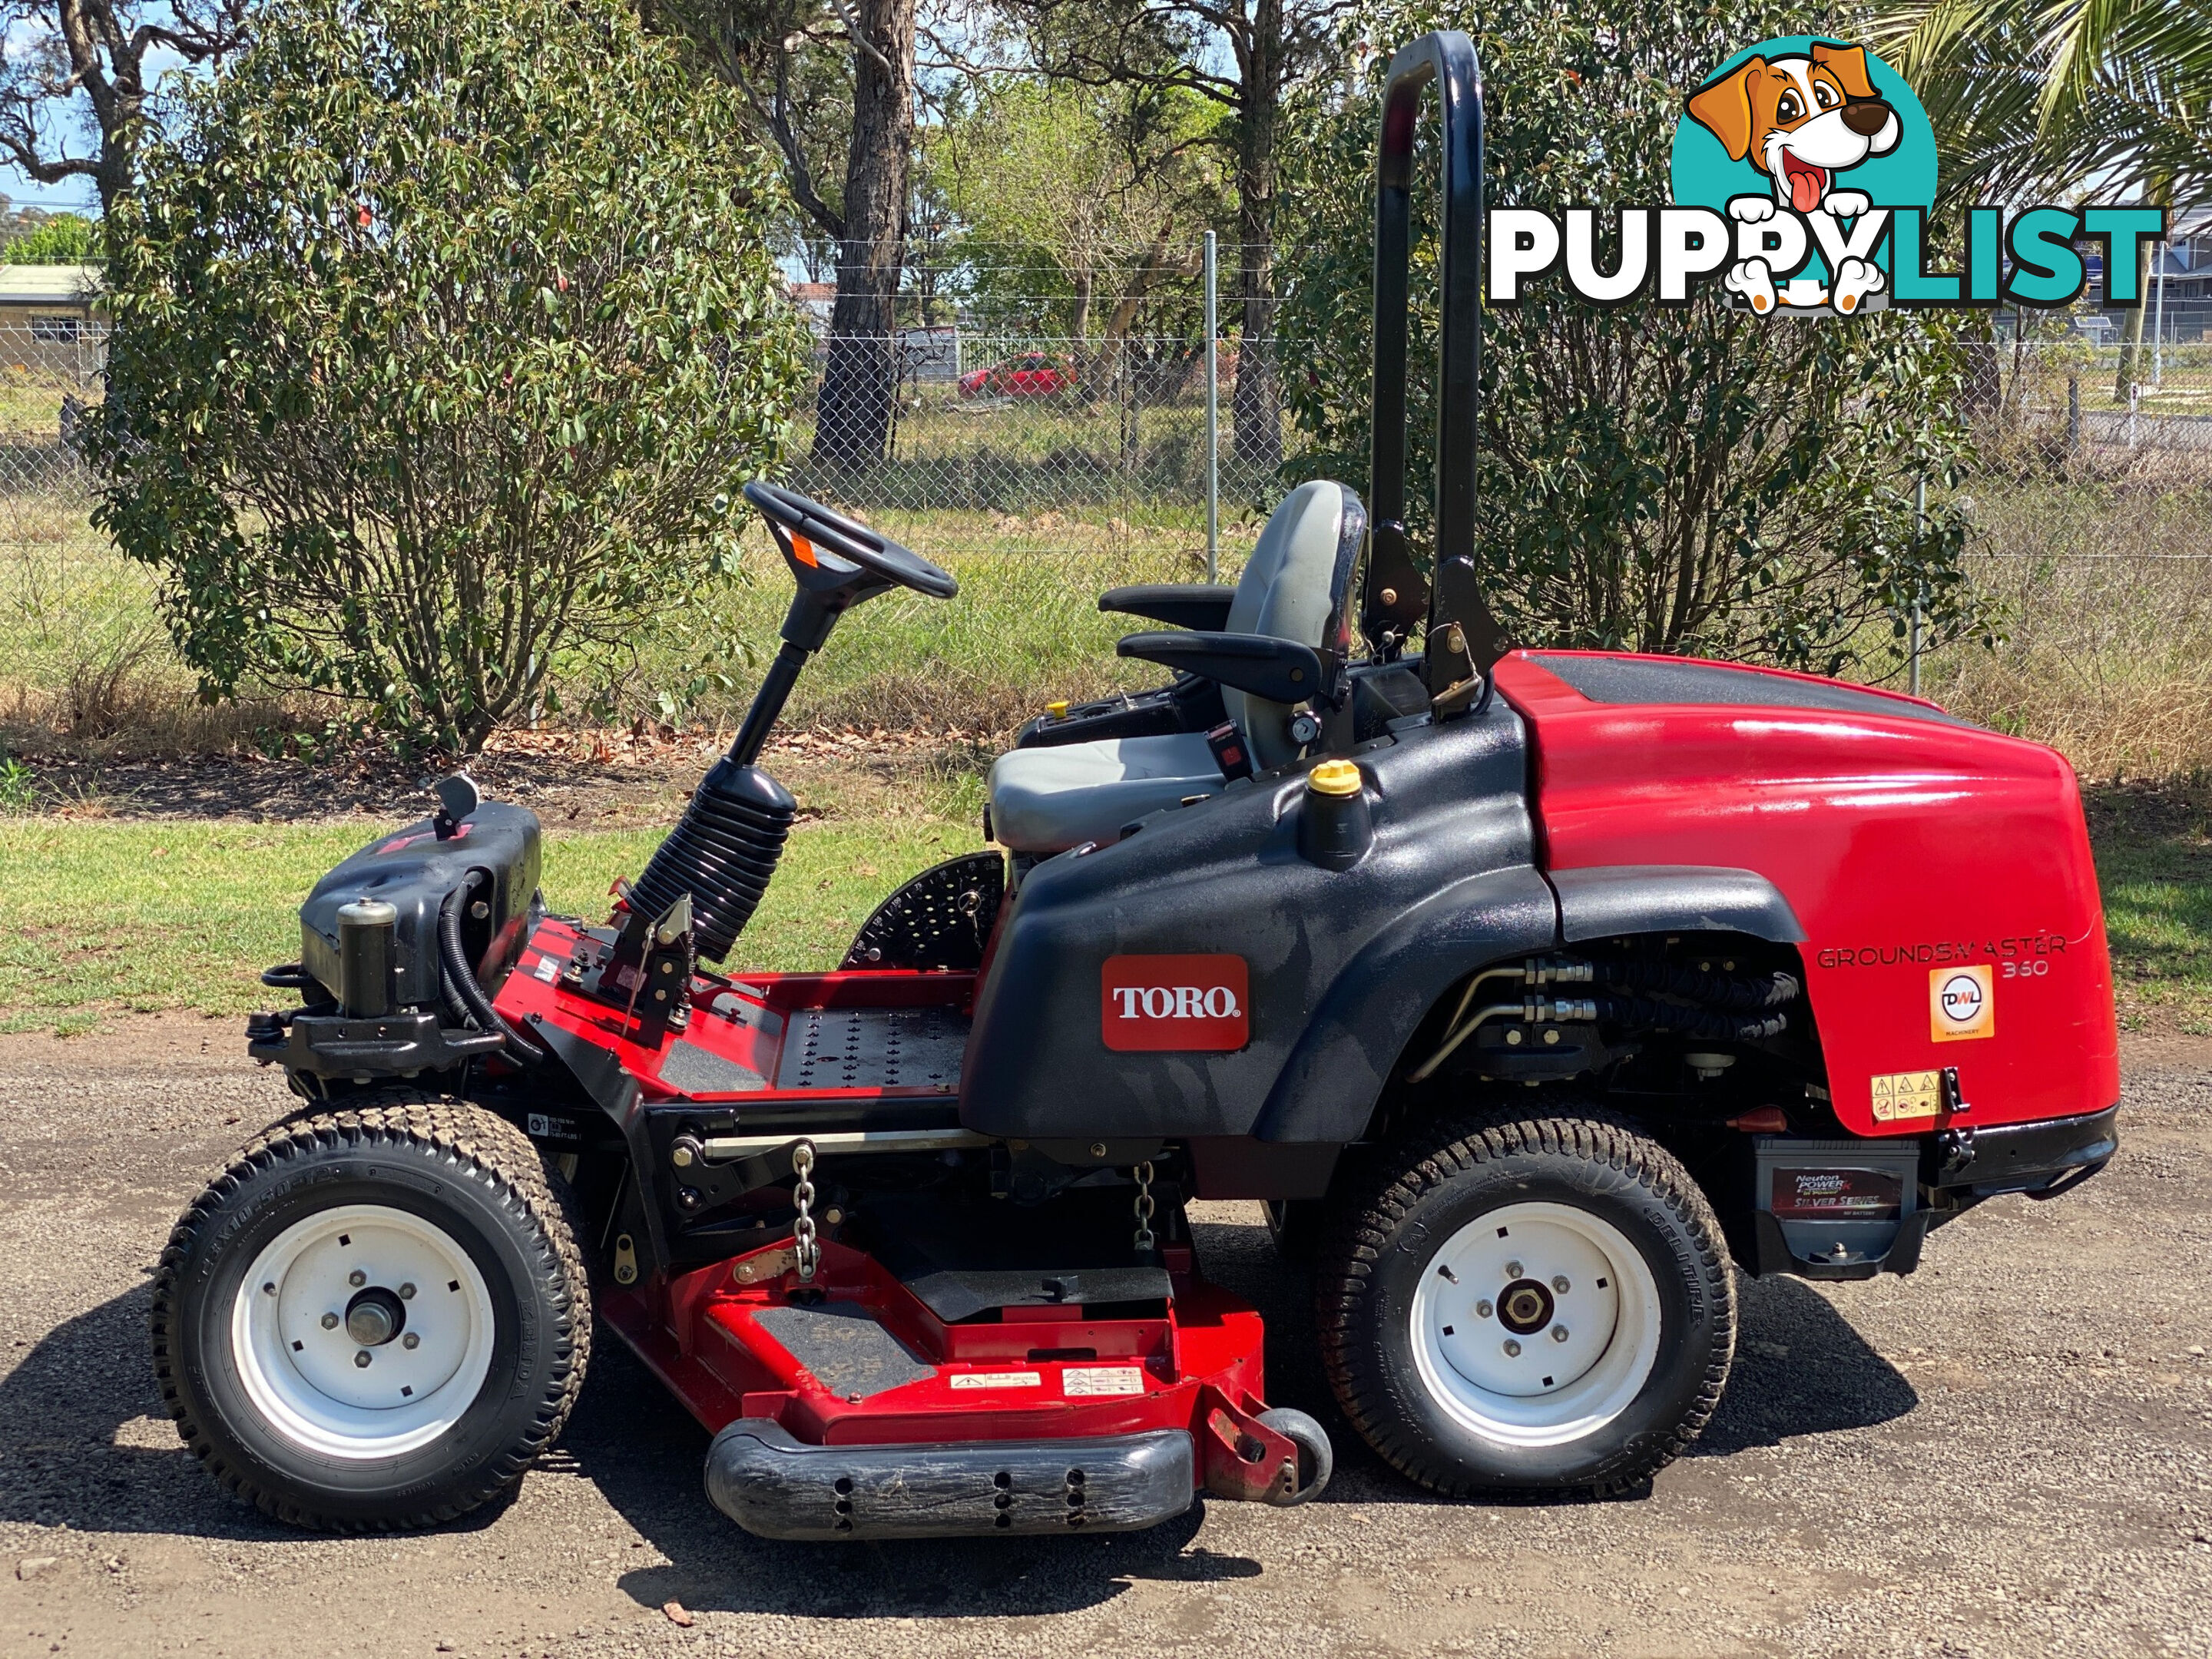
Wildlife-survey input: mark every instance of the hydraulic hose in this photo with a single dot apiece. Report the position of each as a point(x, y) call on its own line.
point(1690, 1022)
point(462, 979)
point(1712, 990)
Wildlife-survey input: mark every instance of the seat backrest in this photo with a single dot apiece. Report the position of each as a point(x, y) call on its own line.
point(1296, 585)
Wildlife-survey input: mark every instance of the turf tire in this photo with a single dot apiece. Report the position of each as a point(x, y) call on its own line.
point(471, 1174)
point(1410, 1198)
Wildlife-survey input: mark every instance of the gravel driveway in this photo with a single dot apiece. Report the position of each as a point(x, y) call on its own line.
point(2006, 1454)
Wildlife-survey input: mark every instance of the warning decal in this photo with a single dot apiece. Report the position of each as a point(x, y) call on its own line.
point(1907, 1094)
point(1079, 1381)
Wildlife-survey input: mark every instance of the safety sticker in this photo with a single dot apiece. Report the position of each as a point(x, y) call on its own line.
point(1079, 1380)
point(548, 968)
point(1961, 1003)
point(997, 1380)
point(1907, 1094)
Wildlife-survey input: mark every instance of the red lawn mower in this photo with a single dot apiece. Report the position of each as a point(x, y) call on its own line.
point(1534, 992)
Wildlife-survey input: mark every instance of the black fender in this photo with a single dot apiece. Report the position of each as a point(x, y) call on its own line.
point(1327, 1089)
point(1606, 900)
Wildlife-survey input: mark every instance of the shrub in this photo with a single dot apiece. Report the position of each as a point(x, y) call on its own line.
point(446, 333)
point(66, 238)
point(1652, 478)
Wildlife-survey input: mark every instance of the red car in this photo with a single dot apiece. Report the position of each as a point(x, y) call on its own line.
point(1032, 374)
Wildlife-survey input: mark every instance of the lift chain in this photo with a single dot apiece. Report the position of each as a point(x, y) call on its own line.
point(802, 1231)
point(1144, 1174)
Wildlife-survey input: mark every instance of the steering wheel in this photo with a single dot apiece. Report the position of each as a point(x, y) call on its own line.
point(827, 551)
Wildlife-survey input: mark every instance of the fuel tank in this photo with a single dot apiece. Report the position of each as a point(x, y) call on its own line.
point(1942, 871)
point(413, 870)
point(1202, 976)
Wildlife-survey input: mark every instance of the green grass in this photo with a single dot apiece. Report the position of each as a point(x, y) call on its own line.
point(2153, 846)
point(97, 919)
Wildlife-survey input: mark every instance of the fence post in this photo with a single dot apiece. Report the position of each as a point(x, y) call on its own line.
point(2158, 324)
point(1919, 538)
point(1212, 423)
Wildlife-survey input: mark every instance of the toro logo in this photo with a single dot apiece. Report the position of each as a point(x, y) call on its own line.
point(1192, 1004)
point(1961, 1003)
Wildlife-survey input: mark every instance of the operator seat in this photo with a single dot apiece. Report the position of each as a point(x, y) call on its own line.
point(1295, 586)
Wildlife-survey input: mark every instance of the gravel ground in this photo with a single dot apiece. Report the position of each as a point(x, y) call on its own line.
point(2005, 1454)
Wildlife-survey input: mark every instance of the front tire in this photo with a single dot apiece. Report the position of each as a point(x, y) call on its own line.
point(1534, 1305)
point(374, 1318)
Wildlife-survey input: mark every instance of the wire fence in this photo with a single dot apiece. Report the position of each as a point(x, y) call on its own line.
point(1086, 461)
point(1022, 431)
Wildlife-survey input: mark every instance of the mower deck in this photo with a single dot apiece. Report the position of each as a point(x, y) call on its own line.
point(849, 1407)
point(946, 1369)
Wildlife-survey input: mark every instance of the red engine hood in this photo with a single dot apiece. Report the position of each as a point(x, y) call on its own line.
point(1914, 847)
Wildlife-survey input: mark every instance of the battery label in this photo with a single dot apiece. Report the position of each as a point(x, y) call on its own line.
point(1836, 1195)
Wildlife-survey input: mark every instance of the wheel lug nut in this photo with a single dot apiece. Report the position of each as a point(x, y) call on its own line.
point(361, 1358)
point(1559, 1283)
point(269, 1289)
point(1482, 1310)
point(330, 1322)
point(410, 1341)
point(1559, 1333)
point(407, 1290)
point(1512, 1349)
point(1513, 1270)
point(356, 1279)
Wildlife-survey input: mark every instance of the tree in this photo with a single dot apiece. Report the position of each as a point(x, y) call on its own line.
point(66, 238)
point(434, 359)
point(1086, 197)
point(799, 63)
point(1271, 47)
point(2034, 98)
point(1651, 478)
point(64, 62)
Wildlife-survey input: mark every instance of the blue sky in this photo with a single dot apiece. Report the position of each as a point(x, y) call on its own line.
point(77, 195)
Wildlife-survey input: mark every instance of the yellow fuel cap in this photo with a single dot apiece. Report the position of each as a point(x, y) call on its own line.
point(1334, 777)
point(1057, 710)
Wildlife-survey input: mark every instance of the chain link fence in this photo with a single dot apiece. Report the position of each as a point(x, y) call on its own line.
point(1015, 437)
point(1068, 464)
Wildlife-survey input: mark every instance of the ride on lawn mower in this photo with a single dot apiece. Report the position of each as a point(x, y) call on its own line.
point(1534, 993)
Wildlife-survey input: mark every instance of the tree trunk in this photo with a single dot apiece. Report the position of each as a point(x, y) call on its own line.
point(852, 412)
point(1256, 402)
point(2131, 337)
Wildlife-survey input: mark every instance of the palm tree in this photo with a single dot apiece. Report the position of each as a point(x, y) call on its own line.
point(2039, 98)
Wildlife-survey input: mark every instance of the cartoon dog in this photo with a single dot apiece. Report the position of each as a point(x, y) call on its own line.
point(1803, 120)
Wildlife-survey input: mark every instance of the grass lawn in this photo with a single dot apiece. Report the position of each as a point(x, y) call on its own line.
point(102, 918)
point(2154, 859)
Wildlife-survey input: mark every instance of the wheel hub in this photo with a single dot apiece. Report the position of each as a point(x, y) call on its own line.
point(362, 1331)
point(1524, 1306)
point(1535, 1322)
point(374, 1316)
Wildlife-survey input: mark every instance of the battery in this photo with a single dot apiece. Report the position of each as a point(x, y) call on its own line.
point(1840, 1204)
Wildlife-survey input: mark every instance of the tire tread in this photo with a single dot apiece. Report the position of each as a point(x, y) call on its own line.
point(483, 1146)
point(1423, 1158)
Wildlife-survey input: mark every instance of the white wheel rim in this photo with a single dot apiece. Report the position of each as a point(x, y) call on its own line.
point(302, 1370)
point(1514, 1382)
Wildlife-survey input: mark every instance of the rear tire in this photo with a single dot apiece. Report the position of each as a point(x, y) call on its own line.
point(1534, 1305)
point(374, 1317)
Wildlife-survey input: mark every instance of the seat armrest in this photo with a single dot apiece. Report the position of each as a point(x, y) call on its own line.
point(1280, 671)
point(1179, 605)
